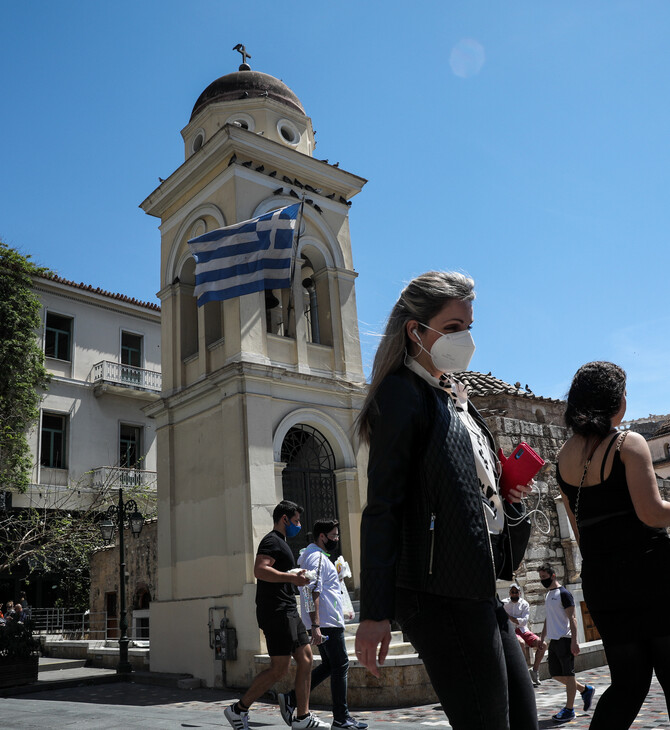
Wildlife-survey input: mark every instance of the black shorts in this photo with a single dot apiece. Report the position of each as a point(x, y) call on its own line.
point(284, 632)
point(561, 659)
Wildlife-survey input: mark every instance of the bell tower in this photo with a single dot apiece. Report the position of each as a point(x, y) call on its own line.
point(260, 392)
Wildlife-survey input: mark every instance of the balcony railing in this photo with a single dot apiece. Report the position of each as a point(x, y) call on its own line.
point(127, 375)
point(117, 476)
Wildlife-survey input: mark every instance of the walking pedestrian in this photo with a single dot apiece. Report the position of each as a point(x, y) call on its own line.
point(434, 533)
point(618, 516)
point(321, 612)
point(560, 626)
point(277, 615)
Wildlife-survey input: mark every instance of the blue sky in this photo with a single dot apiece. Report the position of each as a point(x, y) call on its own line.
point(524, 143)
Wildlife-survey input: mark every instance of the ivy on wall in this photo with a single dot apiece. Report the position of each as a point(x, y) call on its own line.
point(22, 371)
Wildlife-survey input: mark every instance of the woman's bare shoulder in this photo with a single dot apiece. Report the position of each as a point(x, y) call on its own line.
point(633, 442)
point(570, 448)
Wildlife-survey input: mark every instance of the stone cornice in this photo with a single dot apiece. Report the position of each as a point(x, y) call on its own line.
point(256, 379)
point(247, 145)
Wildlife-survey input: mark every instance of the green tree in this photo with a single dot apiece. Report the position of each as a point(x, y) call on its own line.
point(22, 371)
point(58, 537)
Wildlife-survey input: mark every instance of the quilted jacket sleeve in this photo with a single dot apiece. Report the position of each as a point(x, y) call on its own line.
point(394, 437)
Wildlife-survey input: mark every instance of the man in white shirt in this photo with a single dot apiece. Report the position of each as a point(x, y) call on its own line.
point(560, 626)
point(321, 612)
point(518, 610)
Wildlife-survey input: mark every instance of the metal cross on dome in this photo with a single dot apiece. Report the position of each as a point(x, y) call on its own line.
point(241, 49)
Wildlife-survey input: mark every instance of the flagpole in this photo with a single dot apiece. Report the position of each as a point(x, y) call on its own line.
point(294, 255)
point(297, 239)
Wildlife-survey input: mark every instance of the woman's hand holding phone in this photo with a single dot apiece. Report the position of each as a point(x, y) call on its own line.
point(516, 479)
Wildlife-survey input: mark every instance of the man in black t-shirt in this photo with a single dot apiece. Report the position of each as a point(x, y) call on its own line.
point(277, 614)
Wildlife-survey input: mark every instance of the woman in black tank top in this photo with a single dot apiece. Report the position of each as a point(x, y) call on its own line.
point(619, 518)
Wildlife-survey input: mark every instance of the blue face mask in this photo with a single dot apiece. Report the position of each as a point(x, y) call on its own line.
point(292, 530)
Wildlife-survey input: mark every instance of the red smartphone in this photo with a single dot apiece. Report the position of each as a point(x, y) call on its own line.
point(519, 468)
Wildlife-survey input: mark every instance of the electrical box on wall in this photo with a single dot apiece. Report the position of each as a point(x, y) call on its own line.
point(225, 642)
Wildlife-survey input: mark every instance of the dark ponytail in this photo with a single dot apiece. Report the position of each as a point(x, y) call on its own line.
point(595, 398)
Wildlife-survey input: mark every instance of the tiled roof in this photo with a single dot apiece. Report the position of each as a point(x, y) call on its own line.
point(664, 430)
point(102, 292)
point(482, 385)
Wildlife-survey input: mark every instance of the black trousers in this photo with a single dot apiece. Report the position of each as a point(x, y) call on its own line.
point(473, 659)
point(334, 664)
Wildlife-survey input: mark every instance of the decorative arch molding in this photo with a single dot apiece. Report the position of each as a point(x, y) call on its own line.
point(179, 251)
point(179, 267)
point(325, 254)
point(332, 246)
point(337, 438)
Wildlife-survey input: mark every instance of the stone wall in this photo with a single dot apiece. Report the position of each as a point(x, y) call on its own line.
point(538, 422)
point(140, 575)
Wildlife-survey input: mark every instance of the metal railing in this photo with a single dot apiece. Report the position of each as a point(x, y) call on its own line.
point(117, 476)
point(115, 372)
point(84, 625)
point(69, 624)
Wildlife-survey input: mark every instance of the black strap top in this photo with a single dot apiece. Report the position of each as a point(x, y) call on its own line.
point(607, 521)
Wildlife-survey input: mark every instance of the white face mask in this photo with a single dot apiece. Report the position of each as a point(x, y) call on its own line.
point(451, 352)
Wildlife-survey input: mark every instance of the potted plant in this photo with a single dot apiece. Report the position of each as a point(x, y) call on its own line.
point(19, 654)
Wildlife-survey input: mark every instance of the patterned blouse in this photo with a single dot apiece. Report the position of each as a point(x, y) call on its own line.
point(485, 459)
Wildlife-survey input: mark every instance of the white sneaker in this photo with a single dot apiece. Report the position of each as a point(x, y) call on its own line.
point(237, 720)
point(286, 706)
point(534, 677)
point(310, 721)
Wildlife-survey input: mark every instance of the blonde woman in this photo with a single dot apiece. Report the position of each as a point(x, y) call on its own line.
point(433, 530)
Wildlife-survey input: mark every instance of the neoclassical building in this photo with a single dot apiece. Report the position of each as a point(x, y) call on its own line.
point(102, 351)
point(259, 392)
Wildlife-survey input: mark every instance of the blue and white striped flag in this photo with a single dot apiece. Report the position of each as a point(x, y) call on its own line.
point(246, 257)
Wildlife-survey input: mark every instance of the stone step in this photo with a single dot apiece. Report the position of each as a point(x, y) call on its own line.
point(402, 668)
point(53, 664)
point(405, 671)
point(397, 647)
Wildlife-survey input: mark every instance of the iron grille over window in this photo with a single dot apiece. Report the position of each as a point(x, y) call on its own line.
point(305, 448)
point(308, 479)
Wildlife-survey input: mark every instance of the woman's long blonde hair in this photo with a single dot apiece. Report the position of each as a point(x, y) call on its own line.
point(421, 300)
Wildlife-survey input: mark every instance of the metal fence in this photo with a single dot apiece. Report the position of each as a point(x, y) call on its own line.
point(71, 624)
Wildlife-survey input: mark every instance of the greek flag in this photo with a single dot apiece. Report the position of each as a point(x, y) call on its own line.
point(246, 257)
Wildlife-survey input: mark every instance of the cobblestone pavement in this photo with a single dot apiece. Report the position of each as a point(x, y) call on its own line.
point(125, 705)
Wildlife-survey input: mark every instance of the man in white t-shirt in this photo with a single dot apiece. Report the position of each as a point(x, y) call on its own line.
point(518, 610)
point(560, 626)
point(321, 612)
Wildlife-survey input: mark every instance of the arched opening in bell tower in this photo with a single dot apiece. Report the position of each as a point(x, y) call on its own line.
point(315, 284)
point(188, 310)
point(308, 479)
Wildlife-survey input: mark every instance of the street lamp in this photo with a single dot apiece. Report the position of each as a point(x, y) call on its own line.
point(116, 516)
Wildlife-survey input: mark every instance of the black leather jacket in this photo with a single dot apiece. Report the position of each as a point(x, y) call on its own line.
point(424, 526)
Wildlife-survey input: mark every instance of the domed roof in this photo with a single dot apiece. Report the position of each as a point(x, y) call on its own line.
point(247, 84)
